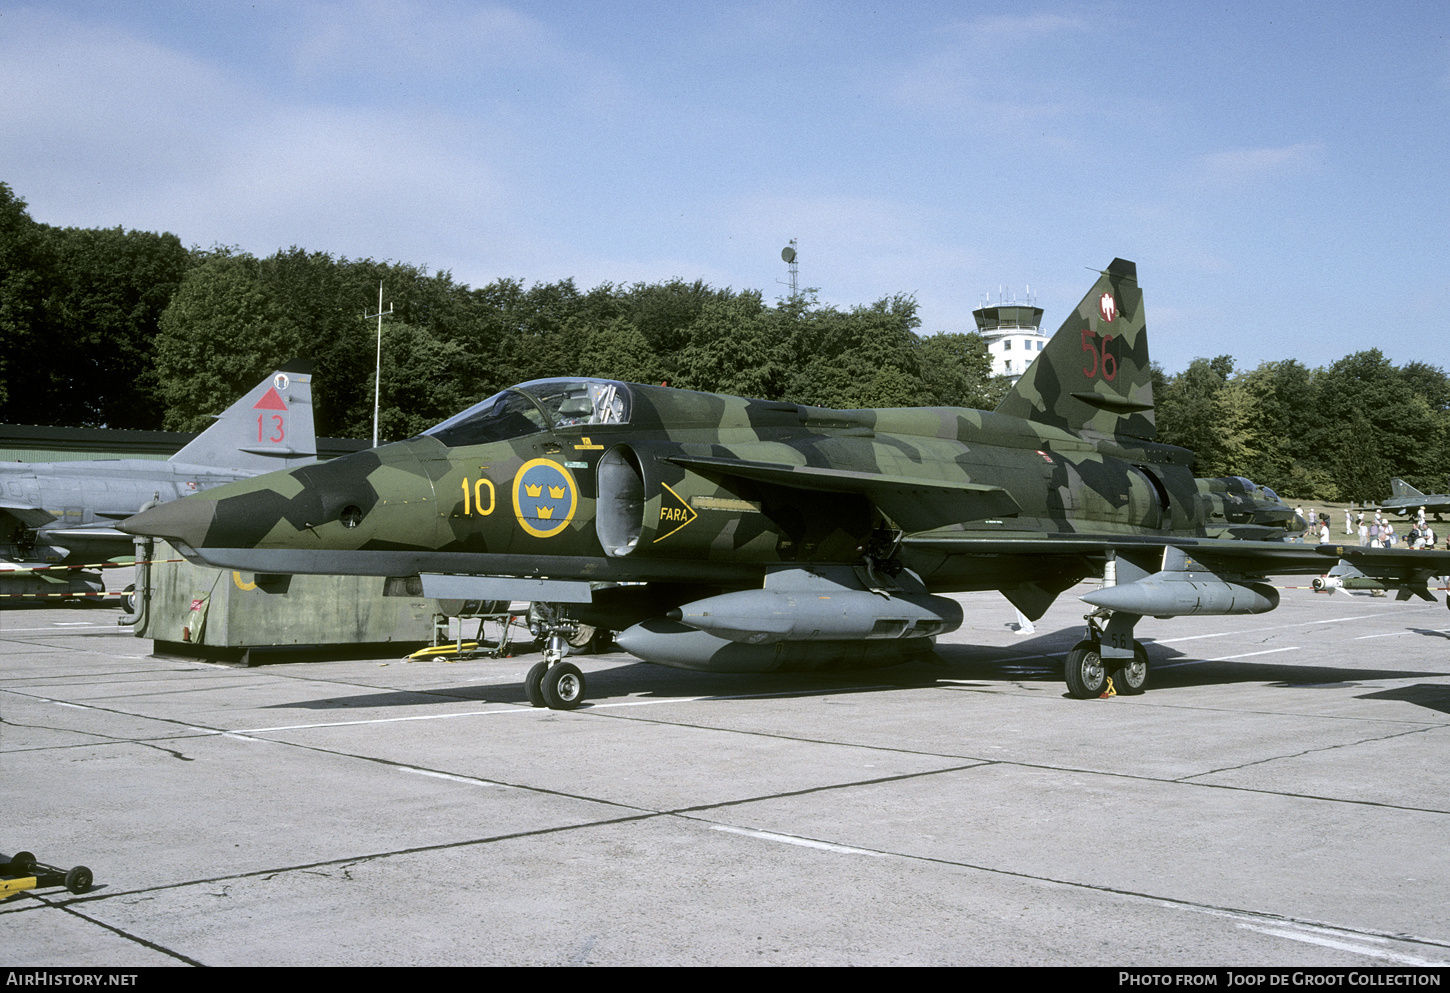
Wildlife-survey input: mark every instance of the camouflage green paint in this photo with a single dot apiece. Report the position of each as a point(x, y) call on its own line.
point(708, 489)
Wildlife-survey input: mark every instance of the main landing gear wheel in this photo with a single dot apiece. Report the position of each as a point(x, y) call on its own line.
point(563, 686)
point(1132, 678)
point(534, 684)
point(1087, 677)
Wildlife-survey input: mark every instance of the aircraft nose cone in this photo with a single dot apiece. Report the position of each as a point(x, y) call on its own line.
point(186, 521)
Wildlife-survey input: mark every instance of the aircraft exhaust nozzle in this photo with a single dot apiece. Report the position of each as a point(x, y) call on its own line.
point(759, 617)
point(1176, 595)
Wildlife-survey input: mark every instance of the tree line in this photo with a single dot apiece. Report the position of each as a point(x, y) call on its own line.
point(130, 329)
point(1335, 433)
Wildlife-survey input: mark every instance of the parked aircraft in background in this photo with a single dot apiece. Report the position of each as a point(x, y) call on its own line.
point(761, 535)
point(1406, 501)
point(56, 510)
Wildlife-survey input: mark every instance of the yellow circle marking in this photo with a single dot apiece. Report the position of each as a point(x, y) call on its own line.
point(237, 578)
point(551, 502)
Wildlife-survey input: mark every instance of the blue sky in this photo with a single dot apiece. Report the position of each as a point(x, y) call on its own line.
point(1277, 171)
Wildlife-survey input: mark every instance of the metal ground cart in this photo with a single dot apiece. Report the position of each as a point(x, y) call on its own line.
point(20, 872)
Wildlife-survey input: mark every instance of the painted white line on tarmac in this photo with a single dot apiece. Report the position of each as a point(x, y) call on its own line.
point(542, 710)
point(1343, 946)
point(789, 839)
point(1396, 634)
point(1276, 627)
point(383, 720)
point(1225, 658)
point(1343, 939)
point(451, 778)
point(745, 696)
point(94, 627)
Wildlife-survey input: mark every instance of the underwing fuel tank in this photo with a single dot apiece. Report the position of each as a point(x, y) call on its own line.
point(1176, 594)
point(801, 619)
point(671, 643)
point(759, 617)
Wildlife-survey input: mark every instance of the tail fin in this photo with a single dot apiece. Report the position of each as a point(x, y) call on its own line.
point(1400, 488)
point(269, 428)
point(1093, 375)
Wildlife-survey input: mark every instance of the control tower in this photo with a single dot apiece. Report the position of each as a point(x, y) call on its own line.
point(1014, 336)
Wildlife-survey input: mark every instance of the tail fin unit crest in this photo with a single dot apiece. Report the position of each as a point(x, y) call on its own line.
point(1094, 374)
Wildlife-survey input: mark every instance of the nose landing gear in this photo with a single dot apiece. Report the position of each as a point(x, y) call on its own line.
point(554, 683)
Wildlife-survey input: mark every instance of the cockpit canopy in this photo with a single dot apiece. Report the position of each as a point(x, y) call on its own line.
point(540, 405)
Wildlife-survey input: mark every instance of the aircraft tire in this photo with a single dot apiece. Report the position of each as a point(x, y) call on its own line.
point(563, 686)
point(128, 599)
point(1086, 675)
point(534, 685)
point(1132, 678)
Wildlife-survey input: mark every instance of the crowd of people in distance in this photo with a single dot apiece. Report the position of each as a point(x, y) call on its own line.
point(1374, 532)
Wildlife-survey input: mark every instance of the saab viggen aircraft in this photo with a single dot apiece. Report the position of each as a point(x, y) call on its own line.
point(758, 535)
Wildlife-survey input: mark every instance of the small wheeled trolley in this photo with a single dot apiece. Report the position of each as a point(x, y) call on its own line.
point(21, 872)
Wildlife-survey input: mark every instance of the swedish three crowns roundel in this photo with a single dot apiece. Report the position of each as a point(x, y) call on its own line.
point(545, 497)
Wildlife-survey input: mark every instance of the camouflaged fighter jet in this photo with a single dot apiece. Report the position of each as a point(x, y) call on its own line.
point(1407, 501)
point(756, 535)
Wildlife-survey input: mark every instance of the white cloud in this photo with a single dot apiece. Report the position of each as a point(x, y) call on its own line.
point(393, 38)
point(997, 28)
point(981, 71)
point(1237, 166)
point(106, 128)
point(87, 107)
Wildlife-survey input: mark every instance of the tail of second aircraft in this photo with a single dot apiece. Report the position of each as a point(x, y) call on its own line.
point(269, 428)
point(1094, 374)
point(1400, 488)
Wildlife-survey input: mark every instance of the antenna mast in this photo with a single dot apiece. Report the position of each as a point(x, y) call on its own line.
point(788, 254)
point(378, 369)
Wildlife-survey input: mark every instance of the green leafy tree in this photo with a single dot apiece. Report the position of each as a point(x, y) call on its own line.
point(958, 371)
point(108, 291)
point(619, 351)
point(867, 357)
point(1202, 410)
point(236, 317)
point(1287, 437)
point(732, 350)
point(1381, 426)
point(418, 390)
point(26, 263)
point(223, 331)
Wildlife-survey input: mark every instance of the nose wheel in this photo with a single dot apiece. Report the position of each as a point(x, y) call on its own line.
point(554, 683)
